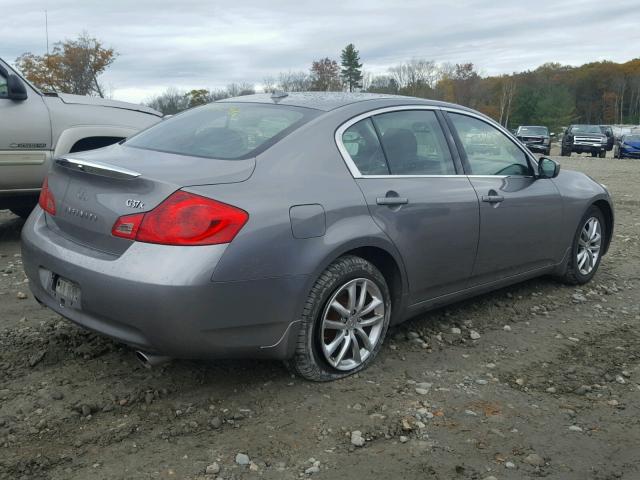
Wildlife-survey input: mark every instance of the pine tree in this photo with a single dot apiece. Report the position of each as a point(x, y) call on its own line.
point(351, 67)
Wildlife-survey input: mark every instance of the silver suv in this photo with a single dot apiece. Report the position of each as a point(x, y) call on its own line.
point(36, 126)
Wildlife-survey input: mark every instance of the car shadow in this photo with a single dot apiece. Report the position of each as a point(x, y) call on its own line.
point(10, 227)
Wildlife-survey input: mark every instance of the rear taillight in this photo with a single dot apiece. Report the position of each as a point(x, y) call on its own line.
point(183, 219)
point(46, 200)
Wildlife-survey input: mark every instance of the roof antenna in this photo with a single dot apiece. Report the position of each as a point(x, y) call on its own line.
point(278, 95)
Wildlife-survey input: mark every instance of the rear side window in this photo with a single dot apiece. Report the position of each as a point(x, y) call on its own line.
point(413, 143)
point(226, 131)
point(361, 142)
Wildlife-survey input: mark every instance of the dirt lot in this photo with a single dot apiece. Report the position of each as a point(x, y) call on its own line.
point(551, 388)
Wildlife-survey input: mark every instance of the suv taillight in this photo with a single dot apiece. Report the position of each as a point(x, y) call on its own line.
point(46, 200)
point(183, 219)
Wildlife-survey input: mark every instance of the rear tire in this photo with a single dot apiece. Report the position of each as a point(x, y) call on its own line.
point(327, 331)
point(584, 241)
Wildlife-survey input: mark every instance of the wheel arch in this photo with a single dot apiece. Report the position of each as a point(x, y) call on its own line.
point(605, 207)
point(71, 136)
point(384, 256)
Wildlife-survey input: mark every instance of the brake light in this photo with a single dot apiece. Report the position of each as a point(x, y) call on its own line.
point(46, 200)
point(183, 219)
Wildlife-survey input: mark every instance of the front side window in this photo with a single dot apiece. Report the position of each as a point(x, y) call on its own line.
point(225, 131)
point(488, 150)
point(4, 90)
point(413, 143)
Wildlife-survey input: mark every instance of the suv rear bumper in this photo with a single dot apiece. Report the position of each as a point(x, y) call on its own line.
point(144, 299)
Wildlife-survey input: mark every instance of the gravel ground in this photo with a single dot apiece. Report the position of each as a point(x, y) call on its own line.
point(536, 380)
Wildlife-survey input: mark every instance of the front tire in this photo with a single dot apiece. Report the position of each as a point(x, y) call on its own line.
point(603, 154)
point(586, 252)
point(344, 321)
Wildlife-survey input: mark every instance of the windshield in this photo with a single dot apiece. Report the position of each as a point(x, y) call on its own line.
point(533, 131)
point(226, 130)
point(586, 129)
point(631, 138)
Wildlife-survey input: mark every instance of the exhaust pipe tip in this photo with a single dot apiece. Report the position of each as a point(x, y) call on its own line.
point(149, 361)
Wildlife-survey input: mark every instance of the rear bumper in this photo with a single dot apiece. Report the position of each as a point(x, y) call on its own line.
point(161, 299)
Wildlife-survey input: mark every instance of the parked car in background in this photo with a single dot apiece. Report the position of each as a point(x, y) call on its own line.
point(629, 146)
point(301, 226)
point(535, 138)
point(608, 131)
point(36, 126)
point(584, 139)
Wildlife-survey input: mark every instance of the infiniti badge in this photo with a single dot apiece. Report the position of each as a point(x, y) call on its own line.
point(76, 212)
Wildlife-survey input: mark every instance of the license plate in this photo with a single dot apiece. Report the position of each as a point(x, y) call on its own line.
point(66, 291)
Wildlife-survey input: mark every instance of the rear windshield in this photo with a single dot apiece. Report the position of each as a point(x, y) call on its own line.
point(533, 131)
point(226, 131)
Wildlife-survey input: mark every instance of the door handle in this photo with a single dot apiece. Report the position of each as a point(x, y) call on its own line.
point(492, 198)
point(392, 201)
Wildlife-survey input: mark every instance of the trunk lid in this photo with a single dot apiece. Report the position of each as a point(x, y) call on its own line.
point(93, 189)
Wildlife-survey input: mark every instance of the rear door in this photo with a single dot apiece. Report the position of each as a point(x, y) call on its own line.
point(402, 162)
point(25, 139)
point(520, 215)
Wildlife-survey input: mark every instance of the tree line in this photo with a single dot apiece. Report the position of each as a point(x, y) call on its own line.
point(554, 95)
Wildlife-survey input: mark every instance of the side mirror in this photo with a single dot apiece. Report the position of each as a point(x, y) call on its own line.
point(16, 90)
point(548, 168)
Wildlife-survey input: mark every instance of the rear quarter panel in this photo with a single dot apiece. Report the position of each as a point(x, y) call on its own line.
point(304, 168)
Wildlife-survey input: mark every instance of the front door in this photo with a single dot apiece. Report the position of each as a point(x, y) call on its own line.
point(25, 139)
point(520, 215)
point(415, 195)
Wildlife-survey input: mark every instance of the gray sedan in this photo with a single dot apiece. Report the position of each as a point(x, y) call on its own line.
point(301, 226)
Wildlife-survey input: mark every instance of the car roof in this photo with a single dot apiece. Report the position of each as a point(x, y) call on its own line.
point(327, 101)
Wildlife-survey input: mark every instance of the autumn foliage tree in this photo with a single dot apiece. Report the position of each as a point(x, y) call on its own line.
point(325, 75)
point(73, 66)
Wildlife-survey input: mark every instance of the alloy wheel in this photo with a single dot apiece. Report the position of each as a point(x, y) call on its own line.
point(589, 245)
point(352, 323)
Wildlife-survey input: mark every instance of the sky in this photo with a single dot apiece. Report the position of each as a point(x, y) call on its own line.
point(190, 44)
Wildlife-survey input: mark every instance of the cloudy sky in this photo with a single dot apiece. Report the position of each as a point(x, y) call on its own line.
point(206, 43)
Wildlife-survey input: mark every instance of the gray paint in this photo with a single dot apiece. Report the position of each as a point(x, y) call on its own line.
point(245, 298)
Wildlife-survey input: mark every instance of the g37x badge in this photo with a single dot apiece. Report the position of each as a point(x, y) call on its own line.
point(131, 203)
